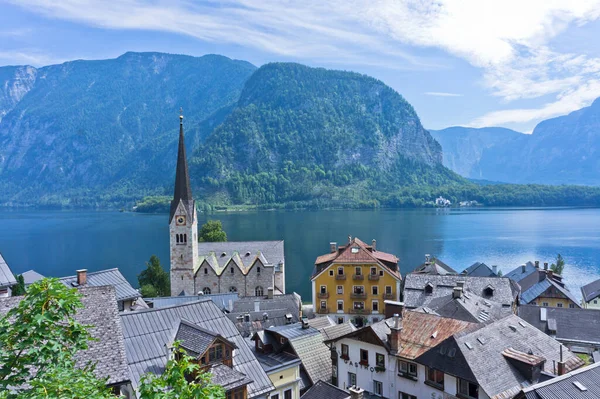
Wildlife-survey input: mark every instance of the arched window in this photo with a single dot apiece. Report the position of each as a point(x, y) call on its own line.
point(185, 238)
point(231, 269)
point(232, 289)
point(258, 269)
point(258, 291)
point(206, 291)
point(177, 238)
point(206, 270)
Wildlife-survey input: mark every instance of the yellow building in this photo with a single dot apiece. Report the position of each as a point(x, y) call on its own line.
point(353, 281)
point(591, 295)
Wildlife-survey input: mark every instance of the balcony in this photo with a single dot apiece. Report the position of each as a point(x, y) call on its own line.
point(323, 310)
point(356, 295)
point(323, 295)
point(340, 276)
point(374, 277)
point(389, 296)
point(358, 277)
point(359, 311)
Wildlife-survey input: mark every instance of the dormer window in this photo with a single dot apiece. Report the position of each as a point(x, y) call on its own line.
point(429, 289)
point(354, 250)
point(488, 291)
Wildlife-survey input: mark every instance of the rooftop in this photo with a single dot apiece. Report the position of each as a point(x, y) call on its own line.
point(7, 278)
point(581, 383)
point(568, 324)
point(434, 266)
point(227, 377)
point(325, 390)
point(31, 276)
point(591, 291)
point(242, 253)
point(539, 288)
point(112, 277)
point(479, 269)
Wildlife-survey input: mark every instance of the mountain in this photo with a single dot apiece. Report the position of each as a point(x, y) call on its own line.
point(463, 147)
point(98, 130)
point(299, 134)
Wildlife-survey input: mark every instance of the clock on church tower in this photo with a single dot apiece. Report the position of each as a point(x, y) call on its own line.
point(180, 220)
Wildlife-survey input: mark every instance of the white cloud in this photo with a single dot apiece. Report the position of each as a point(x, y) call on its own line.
point(27, 57)
point(510, 40)
point(441, 94)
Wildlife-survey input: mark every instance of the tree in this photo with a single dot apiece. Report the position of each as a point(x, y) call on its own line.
point(499, 274)
point(212, 231)
point(182, 379)
point(19, 289)
point(155, 276)
point(38, 342)
point(559, 266)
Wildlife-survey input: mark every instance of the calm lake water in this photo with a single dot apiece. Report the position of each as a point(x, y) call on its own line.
point(57, 243)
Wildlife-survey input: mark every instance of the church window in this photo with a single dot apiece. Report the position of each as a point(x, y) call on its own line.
point(185, 238)
point(206, 270)
point(232, 289)
point(206, 291)
point(258, 269)
point(231, 269)
point(258, 291)
point(177, 238)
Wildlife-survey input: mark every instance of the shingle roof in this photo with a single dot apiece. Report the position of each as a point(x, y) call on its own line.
point(479, 269)
point(31, 276)
point(571, 324)
point(335, 331)
point(227, 377)
point(112, 277)
point(567, 386)
point(591, 291)
point(273, 361)
point(325, 390)
point(265, 312)
point(518, 274)
point(223, 301)
point(415, 296)
point(242, 253)
point(194, 339)
point(478, 355)
point(100, 312)
point(321, 322)
point(435, 267)
point(7, 278)
point(537, 289)
point(147, 332)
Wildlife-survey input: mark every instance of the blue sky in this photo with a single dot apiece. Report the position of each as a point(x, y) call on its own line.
point(458, 62)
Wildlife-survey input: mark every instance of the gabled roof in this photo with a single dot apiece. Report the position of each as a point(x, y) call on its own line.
point(7, 278)
point(195, 339)
point(570, 324)
point(581, 383)
point(415, 296)
point(223, 301)
point(479, 269)
point(325, 390)
point(519, 274)
point(479, 355)
point(183, 190)
point(227, 377)
point(538, 289)
point(31, 276)
point(243, 254)
point(100, 312)
point(591, 291)
point(147, 333)
point(112, 277)
point(434, 267)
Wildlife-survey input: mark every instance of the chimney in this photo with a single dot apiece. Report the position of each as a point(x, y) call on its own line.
point(561, 364)
point(82, 277)
point(395, 331)
point(457, 292)
point(374, 244)
point(356, 392)
point(349, 239)
point(545, 265)
point(427, 259)
point(537, 264)
point(270, 292)
point(460, 283)
point(495, 269)
point(333, 247)
point(523, 267)
point(305, 324)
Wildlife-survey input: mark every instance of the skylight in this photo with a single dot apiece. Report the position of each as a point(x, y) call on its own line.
point(468, 345)
point(579, 386)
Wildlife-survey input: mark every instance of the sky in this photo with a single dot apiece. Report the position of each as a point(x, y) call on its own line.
point(458, 62)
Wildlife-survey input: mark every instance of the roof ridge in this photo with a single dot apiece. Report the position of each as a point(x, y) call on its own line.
point(561, 377)
point(164, 308)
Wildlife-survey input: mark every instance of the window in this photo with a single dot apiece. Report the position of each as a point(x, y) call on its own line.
point(377, 388)
point(488, 291)
point(429, 289)
point(388, 289)
point(323, 305)
point(359, 305)
point(571, 306)
point(402, 395)
point(375, 306)
point(232, 289)
point(375, 290)
point(351, 379)
point(287, 394)
point(407, 369)
point(358, 289)
point(364, 357)
point(258, 269)
point(206, 270)
point(177, 238)
point(231, 269)
point(345, 351)
point(544, 303)
point(340, 289)
point(276, 396)
point(468, 389)
point(258, 291)
point(323, 289)
point(435, 378)
point(379, 360)
point(340, 320)
point(381, 273)
point(340, 306)
point(185, 238)
point(281, 340)
point(373, 271)
point(595, 301)
point(559, 305)
point(331, 272)
point(206, 291)
point(340, 271)
point(215, 353)
point(358, 271)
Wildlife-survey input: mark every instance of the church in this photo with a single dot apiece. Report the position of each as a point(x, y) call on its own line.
point(250, 268)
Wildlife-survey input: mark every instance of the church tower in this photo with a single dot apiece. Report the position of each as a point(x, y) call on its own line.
point(183, 227)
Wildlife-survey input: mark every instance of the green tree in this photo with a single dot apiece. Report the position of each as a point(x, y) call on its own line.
point(182, 379)
point(155, 276)
point(19, 289)
point(38, 341)
point(212, 231)
point(559, 266)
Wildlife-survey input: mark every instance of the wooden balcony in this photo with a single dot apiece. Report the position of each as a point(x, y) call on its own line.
point(358, 277)
point(340, 276)
point(355, 295)
point(389, 296)
point(359, 311)
point(323, 310)
point(323, 295)
point(374, 277)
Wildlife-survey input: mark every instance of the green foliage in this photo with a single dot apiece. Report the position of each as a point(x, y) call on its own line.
point(559, 266)
point(19, 289)
point(153, 204)
point(212, 231)
point(499, 274)
point(156, 277)
point(38, 341)
point(183, 378)
point(148, 291)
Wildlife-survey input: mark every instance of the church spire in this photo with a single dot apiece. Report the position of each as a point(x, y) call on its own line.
point(183, 190)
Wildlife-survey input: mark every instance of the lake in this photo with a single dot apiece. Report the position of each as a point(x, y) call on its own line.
point(56, 243)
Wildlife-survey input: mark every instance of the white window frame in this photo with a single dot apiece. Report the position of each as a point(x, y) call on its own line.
point(338, 306)
point(340, 289)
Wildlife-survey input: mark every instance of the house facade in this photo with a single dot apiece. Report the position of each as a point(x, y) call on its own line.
point(352, 282)
point(591, 295)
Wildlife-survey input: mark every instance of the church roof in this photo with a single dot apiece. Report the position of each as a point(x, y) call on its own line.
point(183, 189)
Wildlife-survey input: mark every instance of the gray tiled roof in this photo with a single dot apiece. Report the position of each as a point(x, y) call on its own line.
point(336, 331)
point(100, 278)
point(7, 278)
point(147, 332)
point(321, 322)
point(31, 276)
point(483, 362)
point(571, 324)
point(194, 339)
point(227, 377)
point(479, 269)
point(564, 387)
point(265, 312)
point(269, 252)
point(469, 307)
point(435, 267)
point(325, 390)
point(101, 313)
point(415, 296)
point(537, 289)
point(591, 291)
point(223, 301)
point(273, 361)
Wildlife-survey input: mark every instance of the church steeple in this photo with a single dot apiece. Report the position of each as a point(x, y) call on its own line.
point(183, 190)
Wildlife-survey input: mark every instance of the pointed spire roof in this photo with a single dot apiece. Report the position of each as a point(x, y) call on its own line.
point(183, 189)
